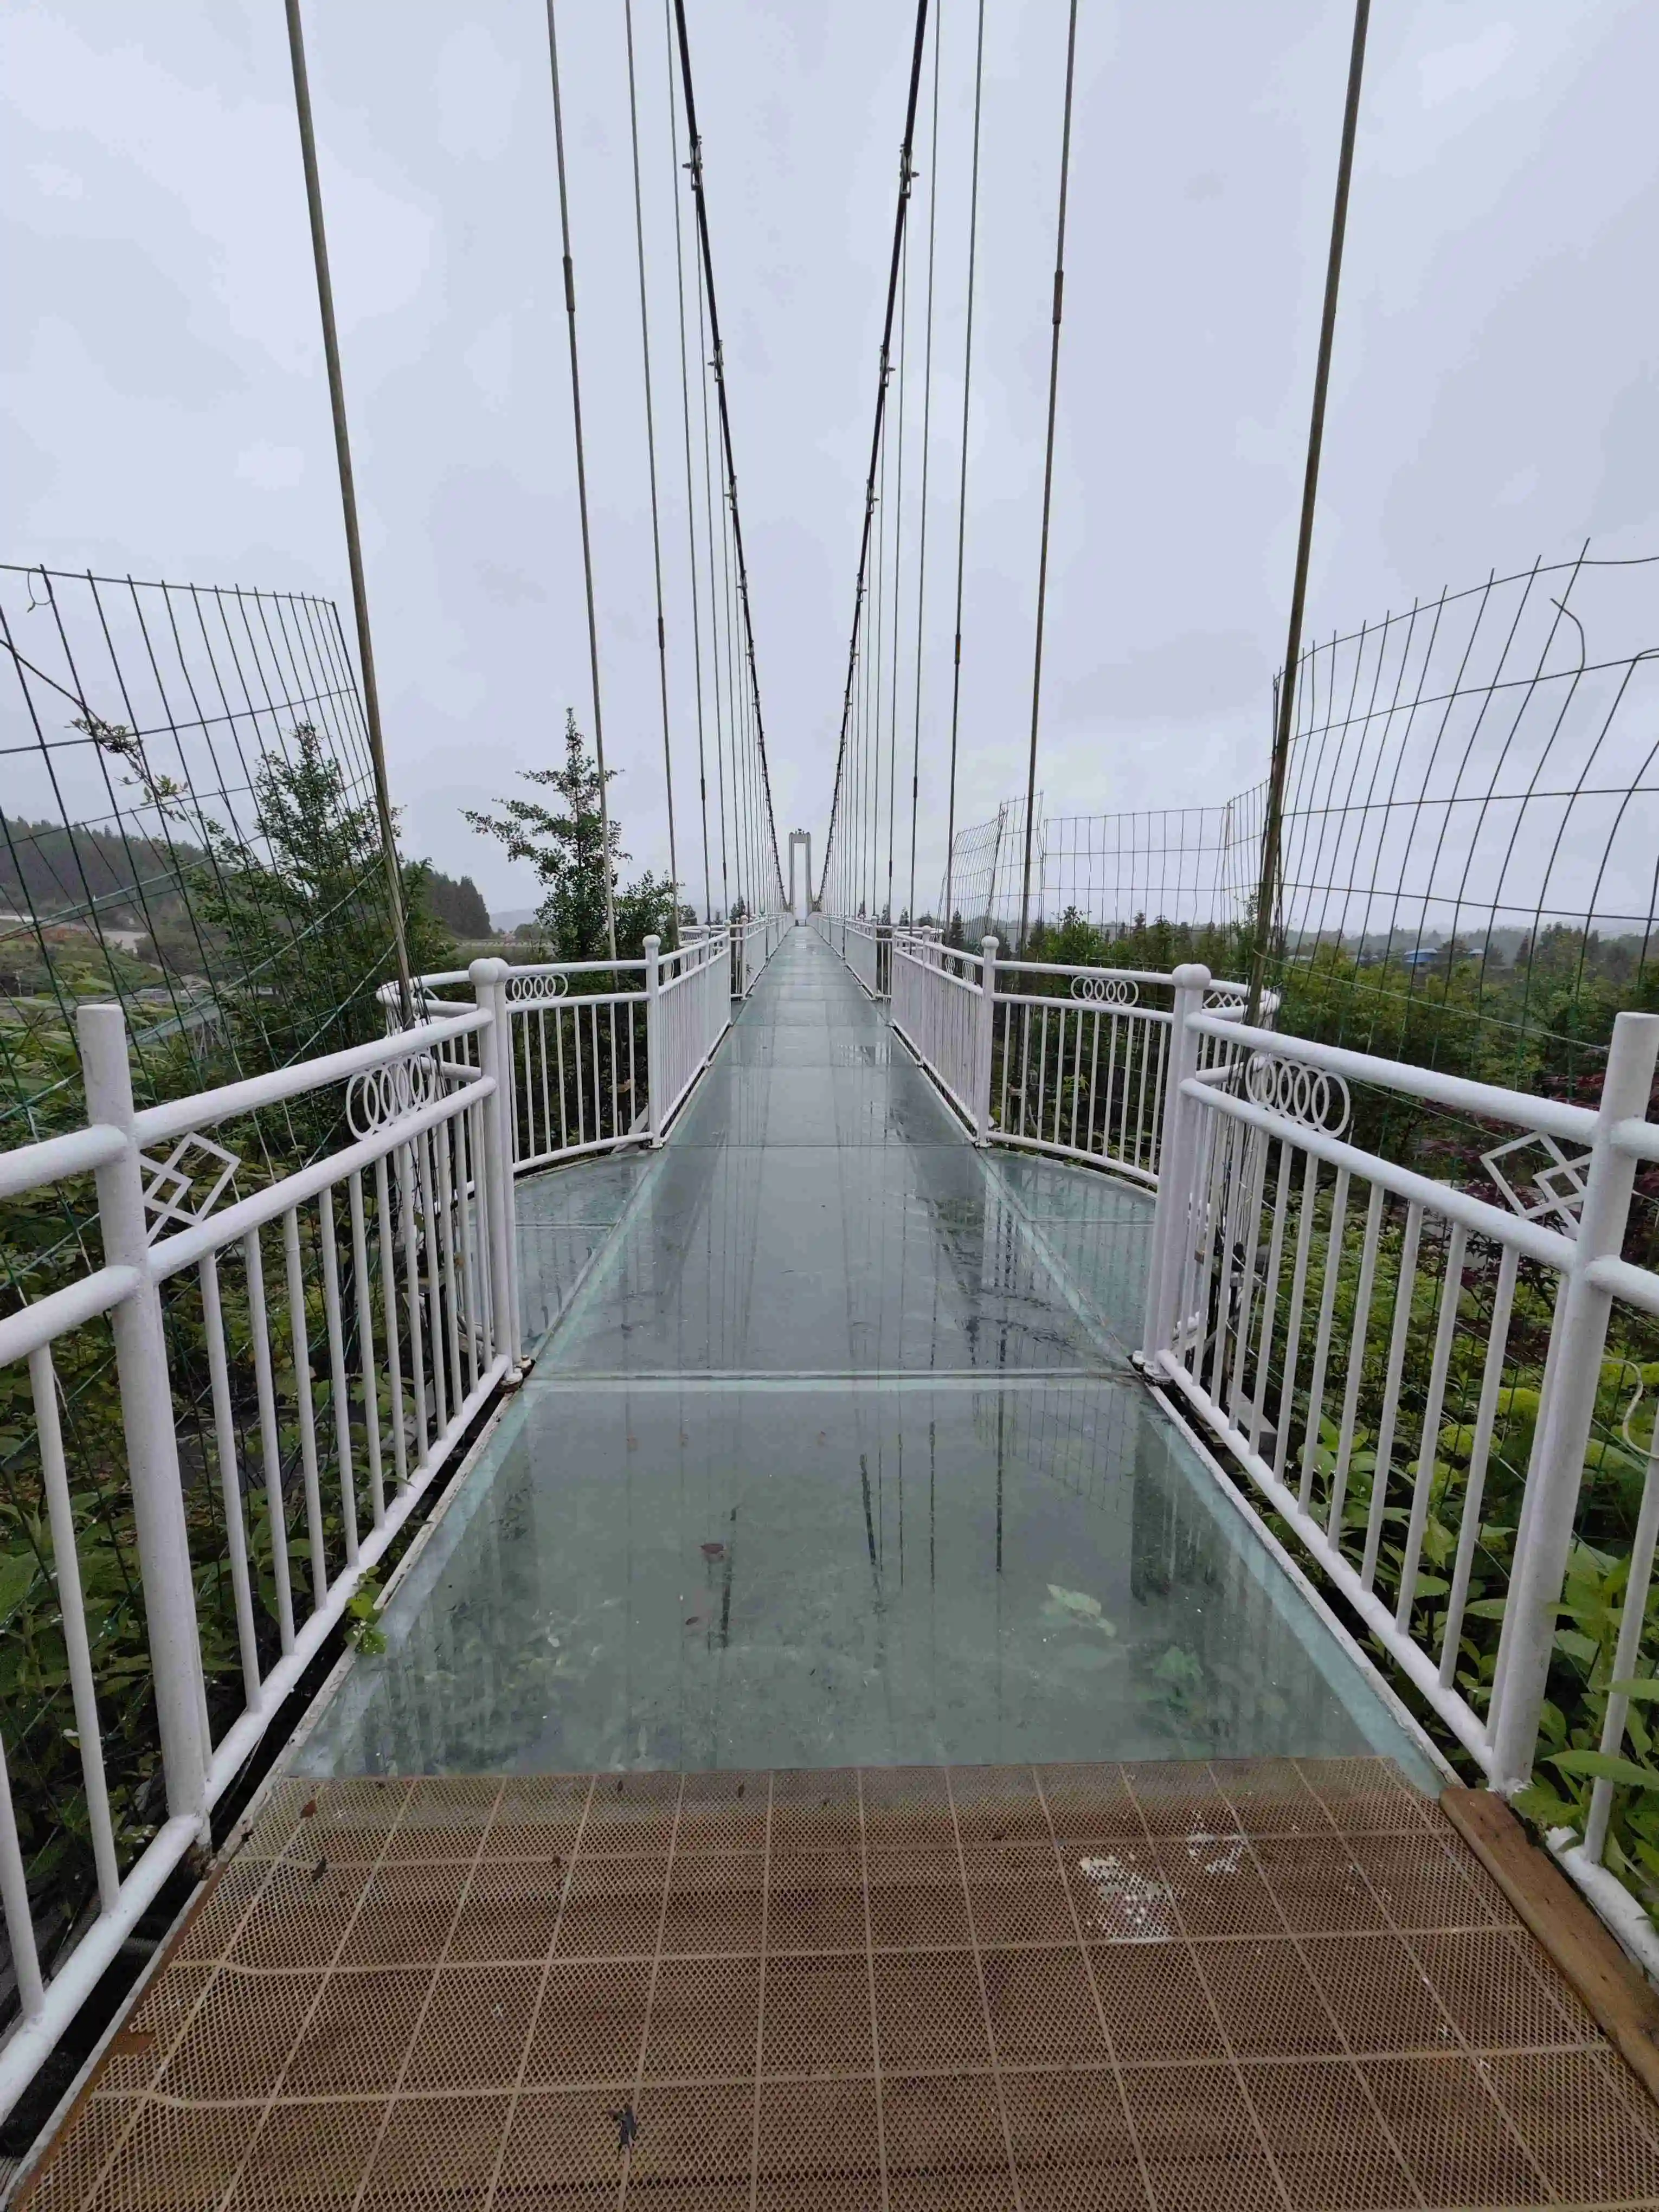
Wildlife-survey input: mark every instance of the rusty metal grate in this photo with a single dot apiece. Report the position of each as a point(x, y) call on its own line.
point(1277, 1983)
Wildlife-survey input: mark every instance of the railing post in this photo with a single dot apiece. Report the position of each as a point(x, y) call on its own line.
point(653, 1049)
point(985, 1040)
point(146, 1393)
point(1544, 1539)
point(488, 980)
point(1178, 1157)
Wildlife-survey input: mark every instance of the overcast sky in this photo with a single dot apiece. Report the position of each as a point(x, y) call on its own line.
point(1494, 394)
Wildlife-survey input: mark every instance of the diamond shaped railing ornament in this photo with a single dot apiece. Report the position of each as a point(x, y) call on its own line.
point(1559, 1184)
point(169, 1184)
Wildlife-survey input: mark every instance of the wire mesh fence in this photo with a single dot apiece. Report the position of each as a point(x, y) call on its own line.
point(157, 743)
point(187, 828)
point(1193, 865)
point(1470, 865)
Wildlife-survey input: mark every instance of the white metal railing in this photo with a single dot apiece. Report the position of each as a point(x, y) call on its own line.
point(1366, 1342)
point(1408, 1372)
point(1050, 1059)
point(348, 1319)
point(942, 1009)
point(342, 1323)
point(582, 1055)
point(691, 1014)
point(753, 943)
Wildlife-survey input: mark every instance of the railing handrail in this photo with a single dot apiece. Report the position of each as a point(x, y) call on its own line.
point(1157, 976)
point(405, 1224)
point(1231, 1302)
point(1489, 1101)
point(203, 1110)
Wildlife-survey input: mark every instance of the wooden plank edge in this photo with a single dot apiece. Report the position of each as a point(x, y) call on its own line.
point(44, 2152)
point(1583, 1949)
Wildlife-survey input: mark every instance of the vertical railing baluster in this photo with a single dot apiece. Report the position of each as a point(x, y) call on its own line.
point(1333, 1267)
point(305, 1410)
point(387, 1230)
point(338, 1376)
point(270, 1447)
point(230, 1479)
point(72, 1617)
point(147, 1415)
point(367, 1367)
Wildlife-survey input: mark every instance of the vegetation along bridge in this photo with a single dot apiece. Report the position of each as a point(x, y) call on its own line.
point(797, 1553)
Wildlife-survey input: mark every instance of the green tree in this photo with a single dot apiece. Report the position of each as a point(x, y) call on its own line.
point(458, 906)
point(306, 918)
point(565, 844)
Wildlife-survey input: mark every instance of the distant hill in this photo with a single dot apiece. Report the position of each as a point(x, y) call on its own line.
point(56, 872)
point(458, 906)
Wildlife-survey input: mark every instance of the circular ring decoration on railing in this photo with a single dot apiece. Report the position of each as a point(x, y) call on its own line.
point(1105, 990)
point(1307, 1094)
point(536, 990)
point(380, 1095)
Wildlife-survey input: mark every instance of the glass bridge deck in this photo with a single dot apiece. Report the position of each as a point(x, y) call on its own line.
point(832, 1455)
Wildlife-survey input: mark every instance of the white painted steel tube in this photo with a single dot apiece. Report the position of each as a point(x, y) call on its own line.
point(59, 1312)
point(186, 1246)
point(1530, 1238)
point(141, 1357)
point(1636, 1286)
point(657, 1074)
point(488, 979)
point(28, 1167)
point(178, 1117)
point(1554, 1477)
point(1522, 1110)
point(985, 1038)
point(72, 1611)
point(1178, 1155)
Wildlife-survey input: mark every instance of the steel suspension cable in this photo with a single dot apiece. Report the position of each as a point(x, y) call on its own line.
point(725, 424)
point(898, 572)
point(905, 174)
point(685, 413)
point(581, 480)
point(714, 626)
point(927, 434)
point(650, 464)
point(962, 488)
point(877, 674)
point(1047, 473)
point(386, 820)
point(1268, 890)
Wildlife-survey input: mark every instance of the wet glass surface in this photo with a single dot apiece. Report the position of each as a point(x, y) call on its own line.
point(695, 1576)
point(565, 1219)
point(818, 1209)
point(940, 1520)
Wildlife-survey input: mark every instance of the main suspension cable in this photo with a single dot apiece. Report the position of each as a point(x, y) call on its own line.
point(1268, 890)
point(1048, 475)
point(581, 484)
point(927, 433)
point(685, 413)
point(962, 488)
point(650, 464)
point(881, 407)
point(696, 143)
point(385, 818)
point(898, 572)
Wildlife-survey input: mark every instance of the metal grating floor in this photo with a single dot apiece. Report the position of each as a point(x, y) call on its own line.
point(1261, 1983)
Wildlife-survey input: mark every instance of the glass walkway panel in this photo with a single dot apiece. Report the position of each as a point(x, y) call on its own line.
point(833, 1457)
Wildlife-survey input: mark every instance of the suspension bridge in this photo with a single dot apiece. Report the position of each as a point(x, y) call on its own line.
point(822, 1566)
